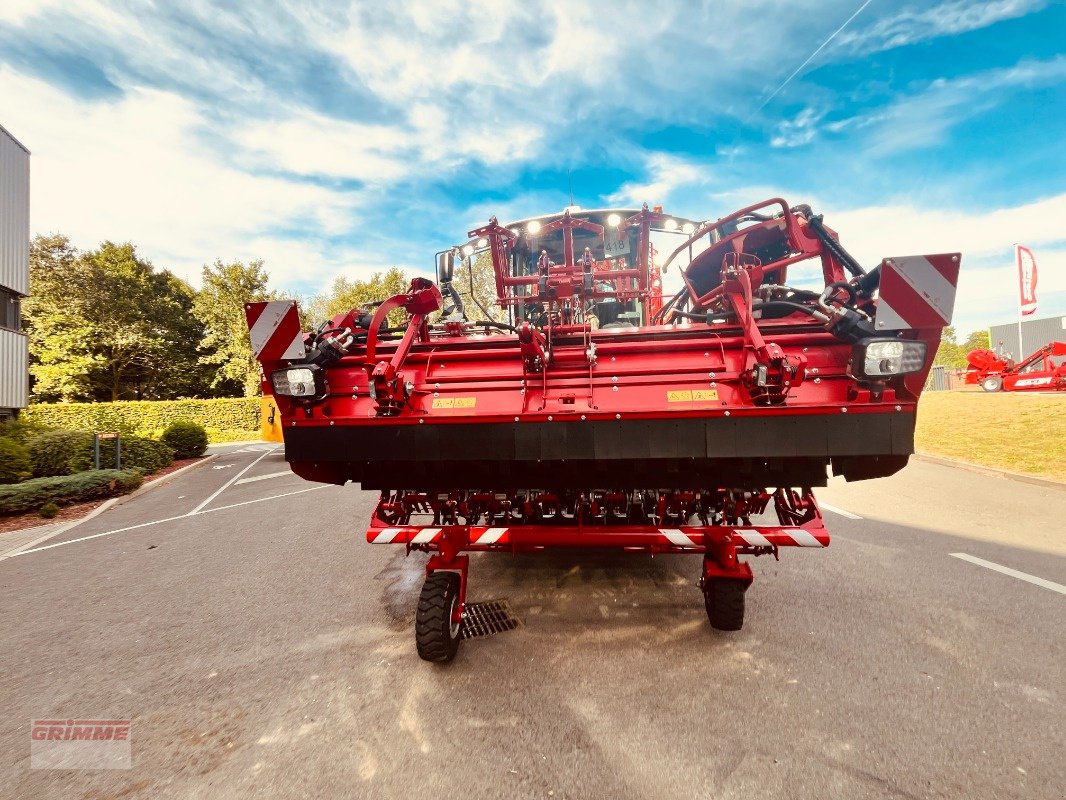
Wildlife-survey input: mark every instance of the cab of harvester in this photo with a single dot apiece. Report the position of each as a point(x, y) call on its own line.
point(591, 409)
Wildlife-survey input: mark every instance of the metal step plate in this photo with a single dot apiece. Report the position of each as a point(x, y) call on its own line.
point(488, 618)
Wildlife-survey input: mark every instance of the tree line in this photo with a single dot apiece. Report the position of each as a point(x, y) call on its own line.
point(106, 324)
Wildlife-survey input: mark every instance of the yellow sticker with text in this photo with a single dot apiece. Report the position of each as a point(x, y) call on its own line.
point(692, 396)
point(454, 402)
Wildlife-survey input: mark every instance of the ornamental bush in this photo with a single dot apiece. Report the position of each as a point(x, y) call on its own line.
point(21, 429)
point(34, 494)
point(146, 455)
point(15, 464)
point(187, 439)
point(52, 452)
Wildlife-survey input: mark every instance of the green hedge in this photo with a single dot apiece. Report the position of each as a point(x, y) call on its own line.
point(31, 495)
point(225, 419)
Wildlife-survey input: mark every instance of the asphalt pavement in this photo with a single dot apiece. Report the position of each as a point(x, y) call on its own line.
point(261, 648)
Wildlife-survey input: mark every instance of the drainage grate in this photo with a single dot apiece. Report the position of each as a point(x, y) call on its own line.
point(486, 619)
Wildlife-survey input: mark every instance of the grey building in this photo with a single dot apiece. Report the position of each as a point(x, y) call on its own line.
point(14, 272)
point(1035, 334)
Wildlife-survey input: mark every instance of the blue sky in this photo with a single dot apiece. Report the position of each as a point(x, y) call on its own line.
point(333, 139)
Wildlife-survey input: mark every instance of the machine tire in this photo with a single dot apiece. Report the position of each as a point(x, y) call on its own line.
point(724, 599)
point(993, 383)
point(436, 637)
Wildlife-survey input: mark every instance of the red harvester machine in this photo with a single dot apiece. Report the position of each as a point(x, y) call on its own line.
point(1036, 373)
point(600, 414)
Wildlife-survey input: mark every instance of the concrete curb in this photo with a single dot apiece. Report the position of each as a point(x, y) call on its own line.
point(1047, 483)
point(104, 506)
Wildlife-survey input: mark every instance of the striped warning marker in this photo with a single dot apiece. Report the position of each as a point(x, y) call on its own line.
point(274, 329)
point(917, 292)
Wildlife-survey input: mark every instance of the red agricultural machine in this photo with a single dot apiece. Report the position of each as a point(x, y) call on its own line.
point(591, 412)
point(1039, 372)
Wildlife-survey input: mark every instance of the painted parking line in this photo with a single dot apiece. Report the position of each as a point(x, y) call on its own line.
point(1022, 576)
point(160, 522)
point(264, 477)
point(229, 483)
point(840, 511)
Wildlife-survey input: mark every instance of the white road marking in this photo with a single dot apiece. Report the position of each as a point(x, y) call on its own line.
point(264, 477)
point(835, 510)
point(1023, 576)
point(222, 466)
point(229, 483)
point(161, 521)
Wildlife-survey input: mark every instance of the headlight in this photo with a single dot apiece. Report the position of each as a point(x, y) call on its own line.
point(882, 358)
point(298, 382)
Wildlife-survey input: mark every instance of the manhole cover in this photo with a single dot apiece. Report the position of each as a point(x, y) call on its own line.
point(485, 619)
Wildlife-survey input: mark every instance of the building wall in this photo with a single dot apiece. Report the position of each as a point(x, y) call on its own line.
point(14, 271)
point(1035, 334)
point(14, 214)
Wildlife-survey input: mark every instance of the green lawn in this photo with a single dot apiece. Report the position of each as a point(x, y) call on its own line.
point(1013, 431)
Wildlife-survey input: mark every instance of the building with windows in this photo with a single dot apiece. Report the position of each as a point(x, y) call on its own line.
point(14, 272)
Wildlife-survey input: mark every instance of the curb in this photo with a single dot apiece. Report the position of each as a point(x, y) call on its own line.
point(1047, 483)
point(104, 506)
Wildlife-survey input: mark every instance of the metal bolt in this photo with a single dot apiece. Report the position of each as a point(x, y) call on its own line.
point(516, 419)
point(420, 422)
point(331, 422)
point(613, 358)
point(436, 394)
point(899, 408)
point(817, 380)
point(436, 386)
point(955, 259)
point(549, 418)
point(617, 416)
point(843, 411)
point(814, 371)
point(583, 416)
point(706, 355)
point(805, 349)
point(727, 413)
point(293, 423)
point(711, 375)
point(881, 324)
point(614, 379)
point(354, 395)
point(614, 388)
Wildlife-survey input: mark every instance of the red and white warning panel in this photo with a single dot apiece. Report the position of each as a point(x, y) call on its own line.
point(642, 537)
point(274, 328)
point(917, 292)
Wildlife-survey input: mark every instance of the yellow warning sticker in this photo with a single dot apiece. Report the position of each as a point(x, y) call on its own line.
point(692, 396)
point(454, 402)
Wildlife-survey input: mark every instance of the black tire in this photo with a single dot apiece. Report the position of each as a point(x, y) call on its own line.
point(436, 636)
point(993, 383)
point(724, 599)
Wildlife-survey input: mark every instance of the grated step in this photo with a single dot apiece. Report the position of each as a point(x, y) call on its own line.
point(488, 618)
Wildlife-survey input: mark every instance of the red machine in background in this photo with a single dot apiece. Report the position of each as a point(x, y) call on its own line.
point(592, 413)
point(1036, 373)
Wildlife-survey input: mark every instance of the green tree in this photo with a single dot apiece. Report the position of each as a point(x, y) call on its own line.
point(104, 325)
point(950, 353)
point(346, 294)
point(978, 340)
point(482, 299)
point(219, 306)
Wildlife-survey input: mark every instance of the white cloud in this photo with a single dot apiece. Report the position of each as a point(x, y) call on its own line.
point(133, 169)
point(910, 25)
point(665, 174)
point(798, 131)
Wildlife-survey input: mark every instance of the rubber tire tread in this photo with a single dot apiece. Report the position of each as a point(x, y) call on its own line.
point(724, 599)
point(432, 621)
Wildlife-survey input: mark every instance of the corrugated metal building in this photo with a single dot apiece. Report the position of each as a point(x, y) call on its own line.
point(14, 272)
point(1035, 334)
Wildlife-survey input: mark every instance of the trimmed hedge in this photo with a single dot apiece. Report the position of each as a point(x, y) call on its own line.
point(32, 495)
point(187, 439)
point(15, 464)
point(53, 452)
point(225, 419)
point(21, 429)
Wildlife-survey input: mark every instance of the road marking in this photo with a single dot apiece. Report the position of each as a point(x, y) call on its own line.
point(161, 521)
point(1024, 576)
point(840, 511)
point(229, 483)
point(264, 477)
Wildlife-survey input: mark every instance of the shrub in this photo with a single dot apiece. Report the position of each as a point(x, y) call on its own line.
point(15, 464)
point(21, 429)
point(187, 439)
point(151, 417)
point(147, 455)
point(34, 494)
point(49, 510)
point(53, 451)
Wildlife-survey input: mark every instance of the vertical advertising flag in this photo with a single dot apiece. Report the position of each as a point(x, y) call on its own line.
point(1026, 279)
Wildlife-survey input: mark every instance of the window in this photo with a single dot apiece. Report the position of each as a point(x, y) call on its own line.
point(10, 310)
